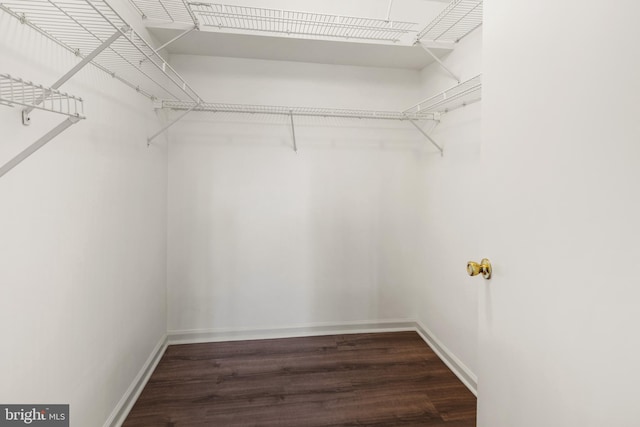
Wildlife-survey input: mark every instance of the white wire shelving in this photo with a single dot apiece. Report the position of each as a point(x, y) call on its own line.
point(15, 91)
point(174, 11)
point(456, 21)
point(460, 95)
point(291, 22)
point(95, 32)
point(254, 19)
point(294, 111)
point(465, 93)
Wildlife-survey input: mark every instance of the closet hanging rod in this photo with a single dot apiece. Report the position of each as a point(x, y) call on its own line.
point(80, 26)
point(296, 111)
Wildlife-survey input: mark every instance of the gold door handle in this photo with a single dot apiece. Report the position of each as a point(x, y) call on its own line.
point(484, 268)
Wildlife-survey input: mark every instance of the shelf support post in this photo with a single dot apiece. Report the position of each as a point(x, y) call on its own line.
point(389, 10)
point(38, 144)
point(293, 132)
point(426, 135)
point(433, 55)
point(26, 120)
point(176, 38)
point(172, 122)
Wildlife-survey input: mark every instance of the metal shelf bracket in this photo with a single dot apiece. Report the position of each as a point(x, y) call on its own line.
point(171, 123)
point(433, 55)
point(176, 38)
point(20, 157)
point(293, 132)
point(426, 135)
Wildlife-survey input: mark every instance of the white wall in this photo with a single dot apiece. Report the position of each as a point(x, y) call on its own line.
point(261, 237)
point(246, 81)
point(83, 247)
point(445, 299)
point(561, 136)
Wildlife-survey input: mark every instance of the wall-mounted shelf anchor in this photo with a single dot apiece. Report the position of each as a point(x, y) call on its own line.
point(26, 120)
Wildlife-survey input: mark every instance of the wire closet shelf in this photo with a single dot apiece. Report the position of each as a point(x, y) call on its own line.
point(223, 16)
point(84, 26)
point(295, 111)
point(174, 11)
point(456, 21)
point(235, 17)
point(465, 93)
point(15, 91)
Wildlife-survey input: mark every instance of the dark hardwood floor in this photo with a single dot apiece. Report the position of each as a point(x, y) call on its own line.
point(386, 379)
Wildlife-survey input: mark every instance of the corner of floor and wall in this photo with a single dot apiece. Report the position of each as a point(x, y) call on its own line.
point(111, 250)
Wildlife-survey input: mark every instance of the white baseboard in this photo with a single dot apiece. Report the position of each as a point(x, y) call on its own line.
point(314, 329)
point(122, 409)
point(461, 371)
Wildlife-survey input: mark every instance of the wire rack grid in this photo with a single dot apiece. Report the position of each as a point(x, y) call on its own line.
point(298, 23)
point(81, 26)
point(15, 91)
point(457, 20)
point(296, 111)
point(457, 96)
point(165, 10)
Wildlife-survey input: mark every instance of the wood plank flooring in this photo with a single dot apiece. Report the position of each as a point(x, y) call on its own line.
point(385, 379)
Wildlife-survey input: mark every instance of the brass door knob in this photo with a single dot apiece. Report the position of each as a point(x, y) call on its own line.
point(484, 268)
